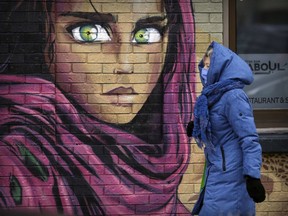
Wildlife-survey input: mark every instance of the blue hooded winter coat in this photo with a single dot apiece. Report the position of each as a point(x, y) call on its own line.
point(236, 150)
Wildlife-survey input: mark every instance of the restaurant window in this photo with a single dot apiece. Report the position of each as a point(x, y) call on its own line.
point(258, 32)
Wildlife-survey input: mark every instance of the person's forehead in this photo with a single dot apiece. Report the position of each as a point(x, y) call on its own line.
point(137, 6)
point(206, 59)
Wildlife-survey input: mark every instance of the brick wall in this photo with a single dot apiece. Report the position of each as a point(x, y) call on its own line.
point(54, 168)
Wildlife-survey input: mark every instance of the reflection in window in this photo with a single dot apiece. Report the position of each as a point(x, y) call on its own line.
point(262, 26)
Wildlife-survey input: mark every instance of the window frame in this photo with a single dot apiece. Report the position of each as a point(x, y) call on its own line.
point(272, 124)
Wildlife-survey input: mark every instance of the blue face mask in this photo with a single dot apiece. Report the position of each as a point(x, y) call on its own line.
point(204, 73)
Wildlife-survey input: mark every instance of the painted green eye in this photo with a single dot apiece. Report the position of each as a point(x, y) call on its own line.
point(90, 33)
point(142, 36)
point(146, 35)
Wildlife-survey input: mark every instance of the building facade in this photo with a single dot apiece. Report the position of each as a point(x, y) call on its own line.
point(96, 96)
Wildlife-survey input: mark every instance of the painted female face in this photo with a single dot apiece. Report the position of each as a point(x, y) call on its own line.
point(109, 55)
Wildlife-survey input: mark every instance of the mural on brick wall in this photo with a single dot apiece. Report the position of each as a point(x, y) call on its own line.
point(95, 97)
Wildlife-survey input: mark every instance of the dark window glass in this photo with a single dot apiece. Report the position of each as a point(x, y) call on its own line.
point(262, 26)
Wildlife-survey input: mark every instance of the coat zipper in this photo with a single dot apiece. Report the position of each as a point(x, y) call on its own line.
point(223, 158)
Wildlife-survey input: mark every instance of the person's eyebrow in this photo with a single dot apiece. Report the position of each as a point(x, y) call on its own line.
point(93, 16)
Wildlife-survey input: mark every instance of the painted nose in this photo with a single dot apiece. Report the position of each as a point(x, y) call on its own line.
point(119, 70)
point(122, 73)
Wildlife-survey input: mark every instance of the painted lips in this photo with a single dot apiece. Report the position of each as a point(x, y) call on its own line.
point(121, 91)
point(121, 96)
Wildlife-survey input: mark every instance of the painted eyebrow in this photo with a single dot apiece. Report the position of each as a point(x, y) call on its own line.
point(95, 17)
point(161, 20)
point(108, 17)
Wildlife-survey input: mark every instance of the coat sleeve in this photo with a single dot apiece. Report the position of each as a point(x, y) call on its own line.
point(240, 116)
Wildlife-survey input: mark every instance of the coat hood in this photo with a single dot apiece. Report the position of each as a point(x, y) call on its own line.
point(225, 64)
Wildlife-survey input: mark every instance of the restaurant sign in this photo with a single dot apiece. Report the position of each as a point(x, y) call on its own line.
point(270, 87)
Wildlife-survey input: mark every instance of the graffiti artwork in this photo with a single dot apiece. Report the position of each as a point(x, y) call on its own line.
point(95, 97)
